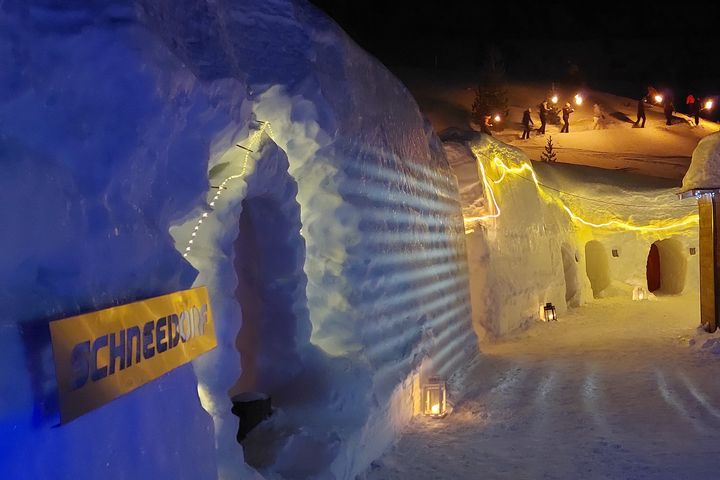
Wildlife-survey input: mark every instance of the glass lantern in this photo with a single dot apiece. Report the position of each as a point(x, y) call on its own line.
point(435, 398)
point(549, 312)
point(639, 293)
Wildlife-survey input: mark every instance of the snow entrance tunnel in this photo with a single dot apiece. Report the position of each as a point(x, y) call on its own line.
point(573, 289)
point(667, 267)
point(597, 266)
point(269, 260)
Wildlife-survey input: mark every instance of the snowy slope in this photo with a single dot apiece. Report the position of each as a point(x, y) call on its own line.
point(117, 118)
point(657, 150)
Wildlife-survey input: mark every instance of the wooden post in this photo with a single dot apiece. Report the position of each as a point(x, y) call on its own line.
point(709, 210)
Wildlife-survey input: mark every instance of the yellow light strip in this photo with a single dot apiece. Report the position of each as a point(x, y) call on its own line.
point(254, 144)
point(471, 222)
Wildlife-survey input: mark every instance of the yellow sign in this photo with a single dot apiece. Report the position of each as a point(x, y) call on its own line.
point(102, 355)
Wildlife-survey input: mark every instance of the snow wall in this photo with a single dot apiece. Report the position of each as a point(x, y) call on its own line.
point(704, 171)
point(529, 250)
point(337, 231)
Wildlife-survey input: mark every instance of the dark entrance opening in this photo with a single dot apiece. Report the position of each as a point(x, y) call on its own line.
point(653, 269)
point(666, 267)
point(269, 255)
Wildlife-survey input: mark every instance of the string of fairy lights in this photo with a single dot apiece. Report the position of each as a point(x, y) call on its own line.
point(471, 222)
point(254, 143)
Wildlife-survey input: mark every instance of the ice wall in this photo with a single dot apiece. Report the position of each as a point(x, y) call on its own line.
point(117, 117)
point(515, 254)
point(525, 249)
point(99, 158)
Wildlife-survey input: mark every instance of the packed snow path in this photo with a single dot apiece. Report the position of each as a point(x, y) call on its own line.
point(612, 391)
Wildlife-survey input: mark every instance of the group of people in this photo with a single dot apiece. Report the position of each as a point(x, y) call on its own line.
point(694, 106)
point(543, 112)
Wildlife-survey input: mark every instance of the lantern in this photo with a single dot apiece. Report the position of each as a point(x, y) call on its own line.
point(639, 293)
point(578, 99)
point(435, 398)
point(554, 98)
point(549, 312)
point(658, 98)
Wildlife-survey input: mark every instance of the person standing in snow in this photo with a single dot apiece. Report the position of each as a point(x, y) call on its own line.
point(485, 127)
point(543, 110)
point(566, 111)
point(697, 106)
point(598, 117)
point(668, 109)
point(690, 103)
point(527, 121)
point(640, 113)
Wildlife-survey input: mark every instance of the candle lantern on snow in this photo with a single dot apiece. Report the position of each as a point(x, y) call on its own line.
point(550, 312)
point(639, 293)
point(435, 398)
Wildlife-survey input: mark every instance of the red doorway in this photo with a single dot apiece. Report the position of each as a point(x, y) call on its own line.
point(653, 269)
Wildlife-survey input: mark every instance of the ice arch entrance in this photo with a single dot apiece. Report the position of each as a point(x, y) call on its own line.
point(572, 285)
point(666, 267)
point(597, 266)
point(269, 254)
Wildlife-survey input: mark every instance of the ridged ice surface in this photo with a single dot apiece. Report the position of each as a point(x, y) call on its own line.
point(116, 119)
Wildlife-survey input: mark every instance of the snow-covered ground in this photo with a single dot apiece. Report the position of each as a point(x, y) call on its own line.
point(617, 389)
point(657, 150)
point(614, 390)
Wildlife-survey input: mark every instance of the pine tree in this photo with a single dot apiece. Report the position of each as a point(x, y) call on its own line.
point(491, 93)
point(548, 155)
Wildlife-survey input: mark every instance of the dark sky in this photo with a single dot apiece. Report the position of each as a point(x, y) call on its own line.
point(622, 46)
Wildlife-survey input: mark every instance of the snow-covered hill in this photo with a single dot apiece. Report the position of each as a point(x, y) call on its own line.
point(657, 150)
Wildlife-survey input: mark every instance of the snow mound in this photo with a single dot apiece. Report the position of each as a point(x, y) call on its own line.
point(251, 147)
point(704, 171)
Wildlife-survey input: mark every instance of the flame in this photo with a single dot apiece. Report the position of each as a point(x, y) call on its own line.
point(709, 105)
point(497, 117)
point(554, 99)
point(435, 409)
point(658, 98)
point(578, 99)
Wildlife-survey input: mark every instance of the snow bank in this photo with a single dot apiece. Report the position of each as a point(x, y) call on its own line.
point(117, 118)
point(704, 171)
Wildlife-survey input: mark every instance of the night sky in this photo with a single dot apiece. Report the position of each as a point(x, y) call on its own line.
point(620, 47)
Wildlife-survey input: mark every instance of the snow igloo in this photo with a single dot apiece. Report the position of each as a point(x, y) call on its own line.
point(565, 234)
point(251, 147)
